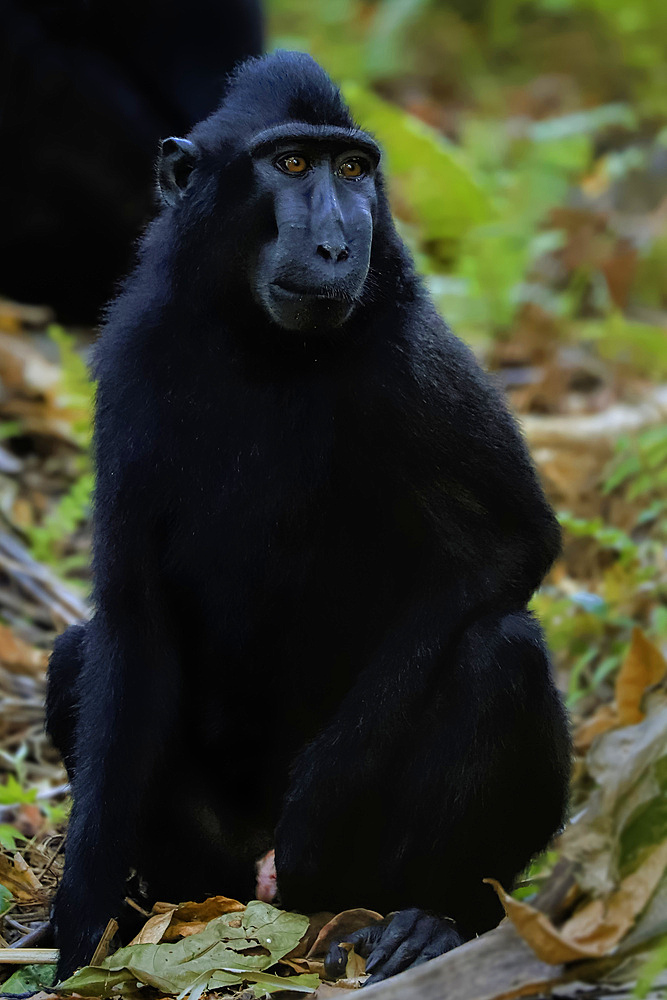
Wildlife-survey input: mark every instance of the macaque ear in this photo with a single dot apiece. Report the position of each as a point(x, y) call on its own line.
point(178, 158)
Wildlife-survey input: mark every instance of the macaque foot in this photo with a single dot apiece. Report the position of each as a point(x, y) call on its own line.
point(400, 941)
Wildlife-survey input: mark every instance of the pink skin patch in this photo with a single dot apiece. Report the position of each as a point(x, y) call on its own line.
point(265, 885)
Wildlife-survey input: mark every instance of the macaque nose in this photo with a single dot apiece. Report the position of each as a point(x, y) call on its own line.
point(335, 252)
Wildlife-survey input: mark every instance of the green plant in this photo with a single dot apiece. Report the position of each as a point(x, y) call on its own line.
point(75, 395)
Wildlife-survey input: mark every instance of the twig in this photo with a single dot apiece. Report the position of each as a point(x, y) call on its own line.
point(102, 949)
point(33, 937)
point(17, 926)
point(39, 582)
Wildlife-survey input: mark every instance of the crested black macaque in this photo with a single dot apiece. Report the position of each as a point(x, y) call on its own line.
point(316, 532)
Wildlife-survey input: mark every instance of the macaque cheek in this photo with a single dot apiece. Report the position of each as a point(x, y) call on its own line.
point(265, 885)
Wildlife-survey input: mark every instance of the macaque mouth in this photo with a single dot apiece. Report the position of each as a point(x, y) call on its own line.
point(290, 289)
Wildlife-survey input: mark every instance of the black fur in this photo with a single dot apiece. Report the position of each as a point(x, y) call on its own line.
point(313, 553)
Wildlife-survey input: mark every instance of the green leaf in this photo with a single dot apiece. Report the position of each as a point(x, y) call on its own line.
point(30, 978)
point(9, 835)
point(233, 949)
point(643, 346)
point(427, 173)
point(12, 792)
point(6, 901)
point(651, 970)
point(583, 122)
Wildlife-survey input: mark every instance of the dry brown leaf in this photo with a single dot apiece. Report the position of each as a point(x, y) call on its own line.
point(104, 942)
point(190, 918)
point(304, 965)
point(602, 923)
point(604, 719)
point(20, 879)
point(16, 315)
point(317, 922)
point(356, 965)
point(342, 924)
point(24, 368)
point(595, 928)
point(153, 930)
point(18, 657)
point(537, 930)
point(161, 907)
point(620, 269)
point(643, 666)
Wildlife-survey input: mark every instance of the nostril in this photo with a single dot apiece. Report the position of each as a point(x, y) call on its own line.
point(337, 253)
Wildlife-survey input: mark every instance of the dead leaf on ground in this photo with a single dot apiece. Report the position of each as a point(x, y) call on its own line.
point(23, 368)
point(602, 923)
point(20, 879)
point(537, 930)
point(643, 666)
point(14, 316)
point(625, 765)
point(230, 951)
point(355, 968)
point(190, 918)
point(604, 719)
point(317, 922)
point(339, 926)
point(169, 921)
point(595, 928)
point(104, 942)
point(18, 657)
point(153, 930)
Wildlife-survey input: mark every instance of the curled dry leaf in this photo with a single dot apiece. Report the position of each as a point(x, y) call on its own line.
point(190, 918)
point(537, 930)
point(20, 879)
point(104, 943)
point(355, 969)
point(604, 719)
point(169, 922)
point(317, 922)
point(643, 666)
point(626, 765)
point(153, 930)
point(602, 923)
point(339, 926)
point(595, 928)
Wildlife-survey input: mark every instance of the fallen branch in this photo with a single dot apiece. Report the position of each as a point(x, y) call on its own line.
point(28, 956)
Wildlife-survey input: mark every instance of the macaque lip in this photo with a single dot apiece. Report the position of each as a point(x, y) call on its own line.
point(292, 291)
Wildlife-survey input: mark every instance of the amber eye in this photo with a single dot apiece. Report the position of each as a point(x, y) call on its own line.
point(353, 167)
point(292, 164)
